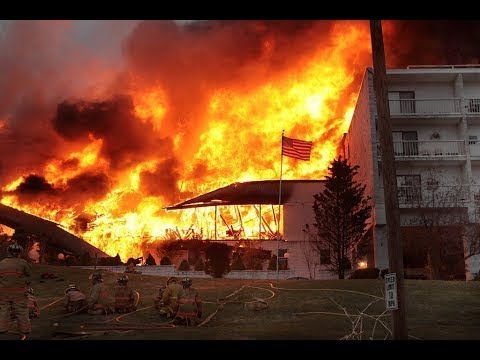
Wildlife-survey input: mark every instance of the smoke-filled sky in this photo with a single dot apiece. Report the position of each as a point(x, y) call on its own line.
point(76, 115)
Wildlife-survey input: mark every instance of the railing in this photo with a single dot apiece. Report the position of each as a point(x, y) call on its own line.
point(439, 196)
point(424, 106)
point(428, 148)
point(475, 149)
point(433, 196)
point(476, 193)
point(473, 106)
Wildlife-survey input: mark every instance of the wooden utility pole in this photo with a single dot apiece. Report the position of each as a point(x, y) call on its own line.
point(392, 212)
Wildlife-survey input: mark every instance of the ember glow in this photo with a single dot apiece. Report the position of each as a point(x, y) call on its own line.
point(188, 116)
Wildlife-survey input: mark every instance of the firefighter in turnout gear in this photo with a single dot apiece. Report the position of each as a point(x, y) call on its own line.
point(74, 299)
point(169, 298)
point(98, 298)
point(125, 298)
point(189, 307)
point(13, 273)
point(158, 300)
point(33, 310)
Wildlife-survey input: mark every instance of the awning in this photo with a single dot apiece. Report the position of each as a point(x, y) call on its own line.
point(244, 193)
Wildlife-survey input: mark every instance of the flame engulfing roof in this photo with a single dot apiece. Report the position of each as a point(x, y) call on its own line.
point(55, 235)
point(244, 193)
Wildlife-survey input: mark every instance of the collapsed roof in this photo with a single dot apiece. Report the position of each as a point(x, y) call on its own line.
point(55, 236)
point(244, 193)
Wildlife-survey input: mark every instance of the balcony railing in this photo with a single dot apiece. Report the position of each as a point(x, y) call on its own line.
point(475, 149)
point(425, 106)
point(428, 148)
point(473, 106)
point(439, 196)
point(476, 193)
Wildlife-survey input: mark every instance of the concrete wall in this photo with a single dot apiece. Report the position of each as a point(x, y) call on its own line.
point(425, 90)
point(169, 270)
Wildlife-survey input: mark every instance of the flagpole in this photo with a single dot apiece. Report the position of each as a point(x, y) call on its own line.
point(279, 204)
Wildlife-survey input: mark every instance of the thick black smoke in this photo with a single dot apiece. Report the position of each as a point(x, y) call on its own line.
point(162, 181)
point(127, 141)
point(34, 185)
point(431, 42)
point(77, 190)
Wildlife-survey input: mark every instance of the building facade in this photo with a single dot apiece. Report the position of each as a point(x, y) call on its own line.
point(296, 228)
point(435, 117)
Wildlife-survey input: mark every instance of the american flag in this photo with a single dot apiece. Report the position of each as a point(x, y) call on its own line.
point(297, 149)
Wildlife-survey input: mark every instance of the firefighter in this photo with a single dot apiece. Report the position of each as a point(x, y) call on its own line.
point(33, 310)
point(157, 300)
point(98, 298)
point(13, 272)
point(130, 269)
point(169, 298)
point(74, 300)
point(125, 298)
point(189, 307)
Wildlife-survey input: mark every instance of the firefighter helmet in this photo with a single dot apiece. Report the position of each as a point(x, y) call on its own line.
point(122, 280)
point(186, 282)
point(171, 279)
point(70, 288)
point(14, 249)
point(96, 277)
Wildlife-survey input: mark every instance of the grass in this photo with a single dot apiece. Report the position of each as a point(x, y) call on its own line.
point(436, 310)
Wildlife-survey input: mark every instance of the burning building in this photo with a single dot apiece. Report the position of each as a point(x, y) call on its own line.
point(102, 145)
point(249, 212)
point(46, 232)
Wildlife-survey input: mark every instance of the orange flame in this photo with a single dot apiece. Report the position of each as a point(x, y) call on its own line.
point(241, 142)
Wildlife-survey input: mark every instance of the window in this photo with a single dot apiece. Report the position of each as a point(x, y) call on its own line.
point(472, 139)
point(405, 143)
point(325, 257)
point(409, 189)
point(402, 102)
point(407, 102)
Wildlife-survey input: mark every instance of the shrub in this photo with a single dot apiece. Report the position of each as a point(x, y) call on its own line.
point(165, 261)
point(150, 260)
point(184, 266)
point(368, 273)
point(272, 264)
point(237, 263)
point(217, 259)
point(199, 266)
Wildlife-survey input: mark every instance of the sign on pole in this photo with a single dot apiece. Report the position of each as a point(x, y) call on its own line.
point(391, 291)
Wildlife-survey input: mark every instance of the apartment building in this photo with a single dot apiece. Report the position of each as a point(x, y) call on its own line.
point(435, 117)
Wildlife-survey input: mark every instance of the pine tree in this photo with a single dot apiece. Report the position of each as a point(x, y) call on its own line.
point(341, 212)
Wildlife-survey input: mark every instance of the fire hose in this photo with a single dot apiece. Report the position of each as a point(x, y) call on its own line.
point(129, 326)
point(132, 326)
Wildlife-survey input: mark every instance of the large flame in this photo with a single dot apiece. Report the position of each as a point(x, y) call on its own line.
point(239, 141)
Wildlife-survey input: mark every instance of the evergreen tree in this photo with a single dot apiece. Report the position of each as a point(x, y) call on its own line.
point(150, 260)
point(217, 259)
point(341, 212)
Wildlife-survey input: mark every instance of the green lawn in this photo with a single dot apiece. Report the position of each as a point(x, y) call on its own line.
point(436, 310)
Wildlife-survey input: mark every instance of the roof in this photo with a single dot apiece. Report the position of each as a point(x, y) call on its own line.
point(55, 236)
point(245, 193)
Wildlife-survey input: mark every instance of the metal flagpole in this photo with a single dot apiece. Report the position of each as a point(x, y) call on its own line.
point(279, 203)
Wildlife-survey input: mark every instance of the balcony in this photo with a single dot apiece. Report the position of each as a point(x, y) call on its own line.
point(475, 150)
point(428, 107)
point(472, 106)
point(427, 149)
point(434, 196)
